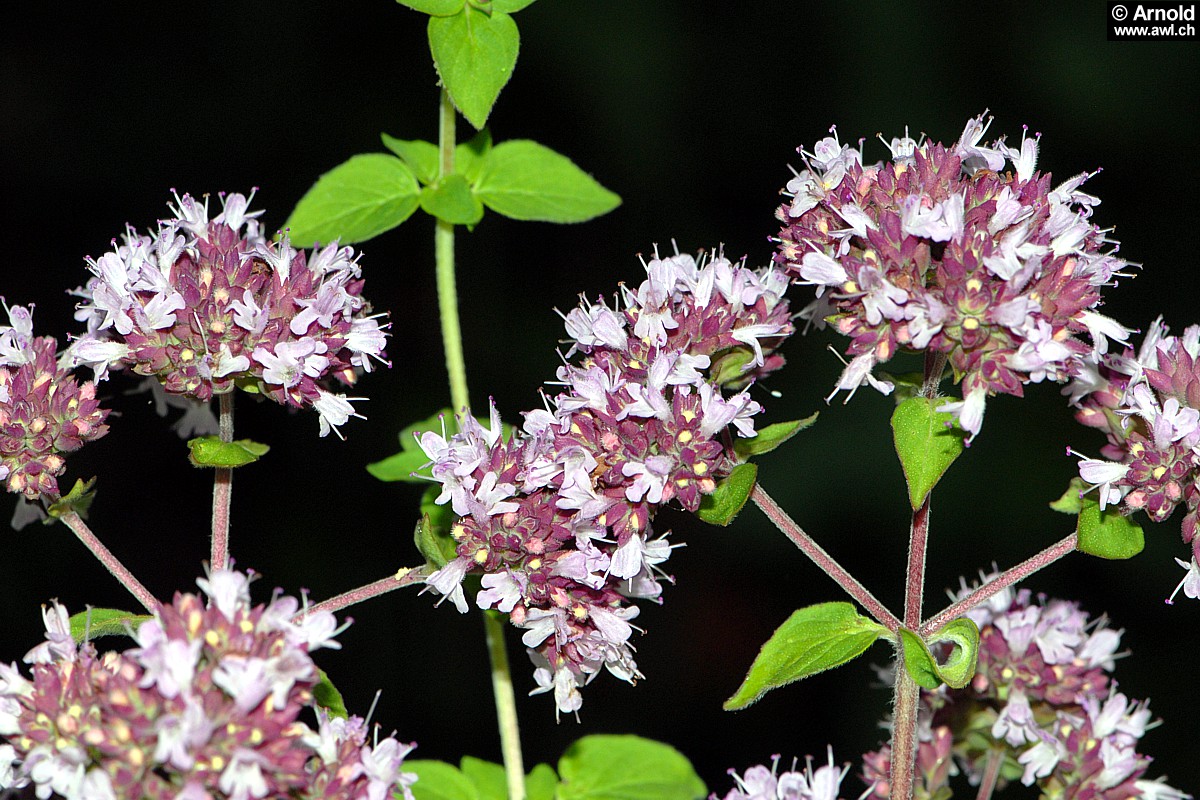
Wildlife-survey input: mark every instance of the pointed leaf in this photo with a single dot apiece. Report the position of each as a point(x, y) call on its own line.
point(327, 696)
point(606, 767)
point(489, 779)
point(432, 534)
point(959, 667)
point(451, 200)
point(435, 8)
point(524, 180)
point(812, 640)
point(420, 156)
point(770, 437)
point(470, 156)
point(437, 780)
point(540, 783)
point(731, 494)
point(475, 54)
point(728, 368)
point(1071, 501)
point(355, 201)
point(97, 622)
point(927, 442)
point(210, 451)
point(78, 500)
point(1107, 533)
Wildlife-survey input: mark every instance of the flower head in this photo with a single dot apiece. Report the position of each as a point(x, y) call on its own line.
point(44, 411)
point(939, 250)
point(209, 305)
point(206, 705)
point(557, 517)
point(760, 783)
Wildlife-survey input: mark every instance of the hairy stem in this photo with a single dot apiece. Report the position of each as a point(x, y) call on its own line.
point(823, 560)
point(1002, 581)
point(506, 707)
point(222, 491)
point(403, 577)
point(443, 240)
point(506, 704)
point(75, 523)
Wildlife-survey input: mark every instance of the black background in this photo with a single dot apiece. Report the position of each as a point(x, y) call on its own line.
point(692, 112)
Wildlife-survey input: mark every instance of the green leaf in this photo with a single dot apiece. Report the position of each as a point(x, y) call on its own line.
point(1107, 533)
point(78, 500)
point(927, 442)
point(328, 697)
point(355, 201)
point(488, 778)
point(470, 156)
point(437, 780)
point(540, 783)
point(770, 437)
point(524, 180)
point(451, 200)
point(210, 451)
point(959, 667)
point(731, 494)
point(475, 54)
point(97, 622)
point(812, 640)
point(510, 6)
point(728, 368)
point(1071, 501)
point(421, 156)
point(435, 8)
point(432, 534)
point(607, 767)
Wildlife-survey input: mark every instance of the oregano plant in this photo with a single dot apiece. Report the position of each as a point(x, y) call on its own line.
point(553, 520)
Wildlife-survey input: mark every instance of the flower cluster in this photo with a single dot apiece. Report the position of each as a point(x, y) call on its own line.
point(44, 411)
point(209, 305)
point(760, 783)
point(557, 518)
point(1042, 708)
point(206, 706)
point(938, 250)
point(1148, 406)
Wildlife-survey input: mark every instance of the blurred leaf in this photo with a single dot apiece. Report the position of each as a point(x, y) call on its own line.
point(489, 778)
point(1107, 534)
point(524, 180)
point(470, 156)
point(326, 695)
point(355, 201)
point(419, 155)
point(432, 534)
point(78, 500)
point(812, 640)
point(435, 8)
point(606, 767)
point(451, 200)
point(540, 783)
point(731, 494)
point(728, 368)
point(927, 442)
point(437, 780)
point(210, 451)
point(510, 6)
point(475, 54)
point(770, 437)
point(97, 622)
point(1071, 501)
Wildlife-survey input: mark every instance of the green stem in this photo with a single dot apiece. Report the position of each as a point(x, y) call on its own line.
point(506, 703)
point(443, 241)
point(506, 707)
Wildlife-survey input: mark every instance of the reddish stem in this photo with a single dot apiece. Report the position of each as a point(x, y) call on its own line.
point(222, 491)
point(823, 560)
point(999, 583)
point(135, 587)
point(402, 578)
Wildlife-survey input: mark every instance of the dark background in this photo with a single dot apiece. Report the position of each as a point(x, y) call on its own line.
point(692, 112)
